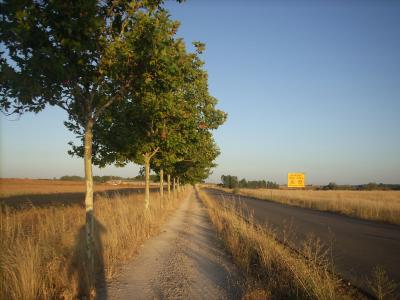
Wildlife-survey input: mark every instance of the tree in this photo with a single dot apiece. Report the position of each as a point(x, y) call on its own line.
point(229, 181)
point(200, 160)
point(196, 150)
point(74, 56)
point(188, 123)
point(167, 114)
point(331, 186)
point(371, 186)
point(272, 185)
point(133, 131)
point(243, 183)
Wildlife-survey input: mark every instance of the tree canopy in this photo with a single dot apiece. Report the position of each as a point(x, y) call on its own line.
point(168, 117)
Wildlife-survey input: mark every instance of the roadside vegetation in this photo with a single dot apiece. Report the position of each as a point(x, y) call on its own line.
point(382, 206)
point(43, 252)
point(279, 272)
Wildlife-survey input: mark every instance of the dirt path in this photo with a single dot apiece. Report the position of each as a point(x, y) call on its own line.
point(186, 261)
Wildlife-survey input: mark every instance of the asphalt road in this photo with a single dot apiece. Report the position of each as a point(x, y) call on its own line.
point(358, 246)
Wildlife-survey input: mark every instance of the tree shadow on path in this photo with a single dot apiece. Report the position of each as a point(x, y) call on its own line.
point(88, 282)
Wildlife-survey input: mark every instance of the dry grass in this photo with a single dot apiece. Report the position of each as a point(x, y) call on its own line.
point(280, 272)
point(42, 249)
point(381, 206)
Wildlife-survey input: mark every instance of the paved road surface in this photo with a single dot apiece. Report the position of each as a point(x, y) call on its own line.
point(185, 261)
point(358, 245)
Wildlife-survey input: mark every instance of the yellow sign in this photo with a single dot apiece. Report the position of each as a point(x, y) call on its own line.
point(296, 180)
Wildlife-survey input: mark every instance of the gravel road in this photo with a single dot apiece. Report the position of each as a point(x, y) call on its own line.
point(185, 261)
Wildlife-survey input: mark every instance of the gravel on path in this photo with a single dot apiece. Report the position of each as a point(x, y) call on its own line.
point(186, 260)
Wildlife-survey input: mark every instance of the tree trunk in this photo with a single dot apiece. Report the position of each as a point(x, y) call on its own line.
point(173, 187)
point(89, 227)
point(162, 183)
point(177, 185)
point(169, 186)
point(147, 178)
point(161, 188)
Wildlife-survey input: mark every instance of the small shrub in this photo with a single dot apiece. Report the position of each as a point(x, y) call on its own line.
point(236, 191)
point(381, 286)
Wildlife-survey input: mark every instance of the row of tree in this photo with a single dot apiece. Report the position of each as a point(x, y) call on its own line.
point(231, 182)
point(372, 186)
point(72, 178)
point(132, 92)
point(105, 178)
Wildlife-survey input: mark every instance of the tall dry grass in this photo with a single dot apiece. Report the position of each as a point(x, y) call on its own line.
point(383, 206)
point(281, 273)
point(42, 249)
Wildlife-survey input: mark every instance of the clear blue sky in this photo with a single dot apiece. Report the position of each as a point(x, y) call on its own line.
point(309, 87)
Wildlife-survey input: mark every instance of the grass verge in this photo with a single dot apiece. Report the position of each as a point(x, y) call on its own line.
point(382, 206)
point(43, 249)
point(279, 272)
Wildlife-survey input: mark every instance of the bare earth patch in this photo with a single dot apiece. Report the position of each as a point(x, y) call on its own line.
point(186, 261)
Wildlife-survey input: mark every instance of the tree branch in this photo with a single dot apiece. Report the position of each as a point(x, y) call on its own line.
point(64, 106)
point(103, 108)
point(154, 152)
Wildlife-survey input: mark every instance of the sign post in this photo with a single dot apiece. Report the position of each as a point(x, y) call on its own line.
point(296, 180)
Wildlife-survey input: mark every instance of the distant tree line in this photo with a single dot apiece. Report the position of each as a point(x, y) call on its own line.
point(71, 178)
point(153, 178)
point(106, 178)
point(231, 182)
point(372, 186)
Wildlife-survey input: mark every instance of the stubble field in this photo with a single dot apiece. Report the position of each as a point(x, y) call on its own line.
point(15, 186)
point(25, 193)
